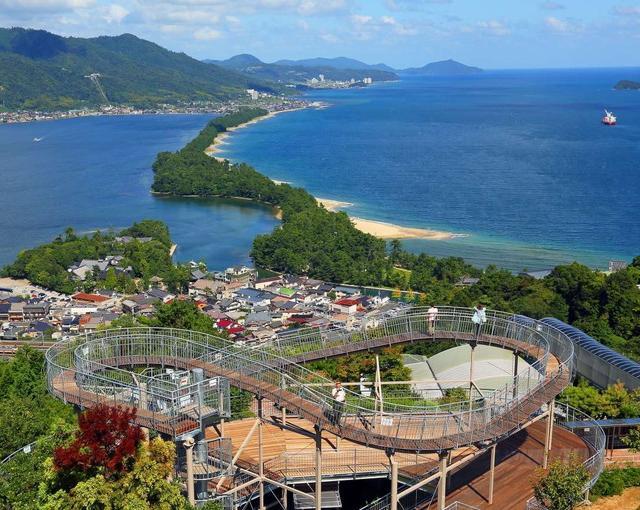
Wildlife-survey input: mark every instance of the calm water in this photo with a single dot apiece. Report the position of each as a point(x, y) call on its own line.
point(516, 160)
point(96, 173)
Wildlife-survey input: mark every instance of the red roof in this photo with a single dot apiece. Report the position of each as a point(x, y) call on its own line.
point(224, 323)
point(89, 298)
point(347, 302)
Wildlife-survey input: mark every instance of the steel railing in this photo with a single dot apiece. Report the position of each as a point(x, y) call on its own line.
point(275, 371)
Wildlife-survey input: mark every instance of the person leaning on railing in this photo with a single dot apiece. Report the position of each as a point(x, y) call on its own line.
point(479, 318)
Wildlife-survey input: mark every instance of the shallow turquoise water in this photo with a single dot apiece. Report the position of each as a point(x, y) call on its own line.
point(518, 161)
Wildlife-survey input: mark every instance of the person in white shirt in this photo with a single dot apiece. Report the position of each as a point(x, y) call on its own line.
point(479, 318)
point(339, 396)
point(432, 315)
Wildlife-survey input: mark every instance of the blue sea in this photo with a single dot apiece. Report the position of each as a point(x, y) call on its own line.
point(95, 173)
point(516, 161)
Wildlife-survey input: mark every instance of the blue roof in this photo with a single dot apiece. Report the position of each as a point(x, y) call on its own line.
point(605, 424)
point(590, 344)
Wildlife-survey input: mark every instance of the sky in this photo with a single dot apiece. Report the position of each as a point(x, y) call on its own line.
point(493, 34)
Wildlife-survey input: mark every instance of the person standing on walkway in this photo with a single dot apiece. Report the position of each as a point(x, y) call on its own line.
point(432, 315)
point(339, 396)
point(479, 318)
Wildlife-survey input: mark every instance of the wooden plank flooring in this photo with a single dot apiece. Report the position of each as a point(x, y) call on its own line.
point(291, 453)
point(517, 459)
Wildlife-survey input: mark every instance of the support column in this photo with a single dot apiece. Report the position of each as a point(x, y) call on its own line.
point(284, 415)
point(548, 438)
point(394, 481)
point(285, 498)
point(473, 348)
point(260, 455)
point(188, 445)
point(515, 373)
point(442, 482)
point(318, 468)
point(492, 472)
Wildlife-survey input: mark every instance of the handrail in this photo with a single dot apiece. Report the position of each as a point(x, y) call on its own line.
point(274, 371)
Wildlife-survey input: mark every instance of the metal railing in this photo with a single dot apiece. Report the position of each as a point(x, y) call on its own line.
point(274, 371)
point(587, 429)
point(99, 368)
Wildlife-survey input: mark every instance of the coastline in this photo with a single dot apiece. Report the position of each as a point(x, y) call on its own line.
point(379, 229)
point(219, 140)
point(385, 230)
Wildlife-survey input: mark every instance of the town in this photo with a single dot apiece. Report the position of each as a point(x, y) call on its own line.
point(248, 308)
point(269, 102)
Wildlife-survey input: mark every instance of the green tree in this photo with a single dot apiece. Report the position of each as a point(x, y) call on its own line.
point(562, 486)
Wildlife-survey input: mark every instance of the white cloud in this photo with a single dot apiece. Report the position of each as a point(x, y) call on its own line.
point(562, 26)
point(207, 34)
point(494, 27)
point(330, 38)
point(115, 13)
point(626, 10)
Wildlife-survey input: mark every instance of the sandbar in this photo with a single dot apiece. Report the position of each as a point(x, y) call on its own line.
point(390, 231)
point(220, 138)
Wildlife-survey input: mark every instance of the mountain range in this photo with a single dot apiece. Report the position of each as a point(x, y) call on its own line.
point(293, 72)
point(41, 70)
point(44, 71)
point(339, 68)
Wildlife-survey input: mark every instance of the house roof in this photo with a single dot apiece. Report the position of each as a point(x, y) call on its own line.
point(89, 298)
point(347, 302)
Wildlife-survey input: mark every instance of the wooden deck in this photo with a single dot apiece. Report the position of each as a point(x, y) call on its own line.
point(517, 459)
point(291, 452)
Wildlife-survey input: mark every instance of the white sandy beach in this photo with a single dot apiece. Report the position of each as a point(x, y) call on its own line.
point(376, 228)
point(219, 140)
point(385, 230)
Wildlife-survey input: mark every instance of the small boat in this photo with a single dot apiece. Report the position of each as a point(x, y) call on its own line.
point(36, 139)
point(609, 119)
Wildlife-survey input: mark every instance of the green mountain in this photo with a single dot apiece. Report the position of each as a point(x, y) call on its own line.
point(297, 74)
point(442, 68)
point(41, 70)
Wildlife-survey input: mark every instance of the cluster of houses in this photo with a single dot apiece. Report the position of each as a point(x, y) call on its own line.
point(248, 308)
point(253, 309)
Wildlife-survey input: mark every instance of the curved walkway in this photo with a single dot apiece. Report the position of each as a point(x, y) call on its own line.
point(83, 371)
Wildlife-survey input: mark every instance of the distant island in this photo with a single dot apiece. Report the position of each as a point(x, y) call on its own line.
point(442, 68)
point(627, 85)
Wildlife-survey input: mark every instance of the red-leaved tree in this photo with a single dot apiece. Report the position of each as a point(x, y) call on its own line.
point(105, 443)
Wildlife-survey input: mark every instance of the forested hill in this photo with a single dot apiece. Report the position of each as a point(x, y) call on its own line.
point(41, 70)
point(292, 73)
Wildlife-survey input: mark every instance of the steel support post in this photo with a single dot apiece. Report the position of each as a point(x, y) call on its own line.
point(188, 445)
point(442, 482)
point(394, 481)
point(492, 472)
point(515, 373)
point(318, 468)
point(285, 498)
point(548, 438)
point(473, 348)
point(260, 455)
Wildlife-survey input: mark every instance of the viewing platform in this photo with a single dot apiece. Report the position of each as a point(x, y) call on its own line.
point(178, 382)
